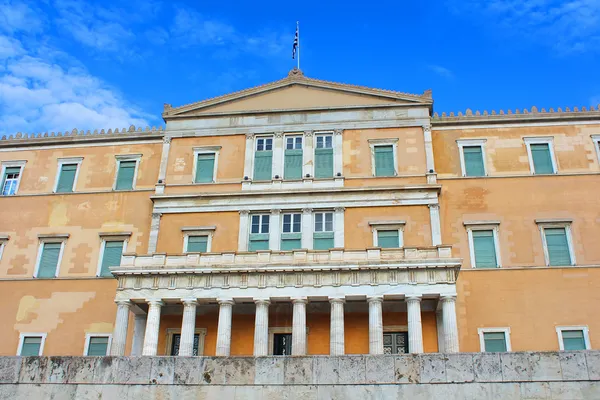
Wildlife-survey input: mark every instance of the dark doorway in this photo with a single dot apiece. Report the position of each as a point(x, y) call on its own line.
point(395, 342)
point(282, 344)
point(177, 340)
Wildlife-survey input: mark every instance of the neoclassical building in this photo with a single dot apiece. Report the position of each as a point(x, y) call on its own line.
point(304, 217)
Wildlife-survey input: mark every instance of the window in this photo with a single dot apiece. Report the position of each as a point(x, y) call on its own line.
point(3, 240)
point(49, 256)
point(205, 164)
point(197, 239)
point(388, 239)
point(68, 170)
point(11, 177)
point(395, 342)
point(483, 243)
point(596, 140)
point(556, 239)
point(383, 157)
point(293, 157)
point(197, 244)
point(291, 232)
point(573, 337)
point(174, 341)
point(324, 156)
point(112, 250)
point(387, 234)
point(472, 159)
point(541, 155)
point(127, 168)
point(259, 232)
point(282, 344)
point(31, 344)
point(263, 159)
point(97, 344)
point(494, 339)
point(323, 233)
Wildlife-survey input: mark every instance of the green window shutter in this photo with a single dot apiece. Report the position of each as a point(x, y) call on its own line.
point(197, 244)
point(494, 341)
point(293, 164)
point(263, 165)
point(66, 178)
point(542, 160)
point(291, 241)
point(388, 239)
point(49, 260)
point(97, 346)
point(112, 256)
point(31, 346)
point(258, 241)
point(573, 340)
point(323, 240)
point(558, 246)
point(473, 161)
point(125, 175)
point(484, 249)
point(384, 161)
point(205, 168)
point(323, 163)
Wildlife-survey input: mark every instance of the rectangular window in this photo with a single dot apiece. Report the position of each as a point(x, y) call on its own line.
point(263, 159)
point(48, 260)
point(10, 180)
point(291, 232)
point(97, 345)
point(495, 341)
point(324, 156)
point(323, 233)
point(384, 161)
point(66, 178)
point(557, 246)
point(113, 250)
point(388, 238)
point(197, 244)
point(573, 338)
point(473, 158)
point(293, 158)
point(205, 168)
point(125, 175)
point(484, 249)
point(31, 345)
point(542, 159)
point(259, 232)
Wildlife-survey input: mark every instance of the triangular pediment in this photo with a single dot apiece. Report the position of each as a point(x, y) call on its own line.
point(297, 92)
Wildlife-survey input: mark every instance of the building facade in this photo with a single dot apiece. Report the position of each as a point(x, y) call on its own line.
point(304, 217)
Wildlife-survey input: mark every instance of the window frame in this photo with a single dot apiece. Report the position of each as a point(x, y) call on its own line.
point(198, 231)
point(505, 330)
point(24, 335)
point(120, 158)
point(171, 332)
point(205, 150)
point(111, 237)
point(596, 141)
point(255, 150)
point(333, 149)
point(462, 143)
point(12, 164)
point(294, 136)
point(493, 226)
point(3, 240)
point(62, 239)
point(324, 134)
point(292, 214)
point(88, 337)
point(380, 143)
point(556, 223)
point(314, 221)
point(586, 335)
point(388, 226)
point(63, 161)
point(549, 140)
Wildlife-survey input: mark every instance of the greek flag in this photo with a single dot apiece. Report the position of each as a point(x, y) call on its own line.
point(295, 46)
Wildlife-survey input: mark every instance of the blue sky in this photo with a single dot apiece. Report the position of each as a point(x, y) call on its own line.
point(66, 64)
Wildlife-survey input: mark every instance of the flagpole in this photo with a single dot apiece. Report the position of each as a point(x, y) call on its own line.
point(298, 50)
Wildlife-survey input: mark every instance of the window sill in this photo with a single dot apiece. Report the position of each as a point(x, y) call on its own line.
point(306, 183)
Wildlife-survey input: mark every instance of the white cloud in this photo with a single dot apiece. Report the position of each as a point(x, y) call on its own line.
point(441, 71)
point(19, 17)
point(9, 47)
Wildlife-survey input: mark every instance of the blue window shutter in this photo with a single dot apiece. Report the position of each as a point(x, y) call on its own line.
point(323, 163)
point(473, 161)
point(293, 164)
point(197, 244)
point(388, 239)
point(66, 178)
point(494, 341)
point(558, 246)
point(205, 168)
point(323, 240)
point(97, 346)
point(263, 165)
point(113, 251)
point(484, 249)
point(573, 340)
point(49, 260)
point(384, 161)
point(258, 241)
point(542, 160)
point(125, 175)
point(31, 346)
point(291, 241)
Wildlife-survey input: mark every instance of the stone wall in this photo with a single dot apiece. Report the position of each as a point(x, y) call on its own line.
point(564, 375)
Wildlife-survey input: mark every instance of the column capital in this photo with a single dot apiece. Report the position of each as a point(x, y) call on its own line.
point(275, 211)
point(156, 215)
point(337, 300)
point(266, 301)
point(279, 134)
point(307, 210)
point(189, 302)
point(434, 206)
point(339, 209)
point(448, 298)
point(413, 298)
point(249, 136)
point(123, 303)
point(155, 302)
point(375, 299)
point(338, 131)
point(167, 139)
point(308, 133)
point(427, 127)
point(244, 212)
point(223, 301)
point(299, 300)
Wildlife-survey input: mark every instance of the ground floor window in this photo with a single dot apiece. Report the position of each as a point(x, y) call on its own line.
point(282, 344)
point(177, 340)
point(395, 342)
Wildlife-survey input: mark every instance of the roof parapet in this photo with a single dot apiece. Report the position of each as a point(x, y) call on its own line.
point(534, 112)
point(132, 130)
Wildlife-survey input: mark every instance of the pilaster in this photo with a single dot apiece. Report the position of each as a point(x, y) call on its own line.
point(275, 230)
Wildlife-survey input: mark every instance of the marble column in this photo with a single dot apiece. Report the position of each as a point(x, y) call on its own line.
point(415, 328)
point(119, 338)
point(450, 324)
point(224, 327)
point(261, 327)
point(152, 328)
point(299, 326)
point(188, 327)
point(375, 325)
point(336, 335)
point(139, 329)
